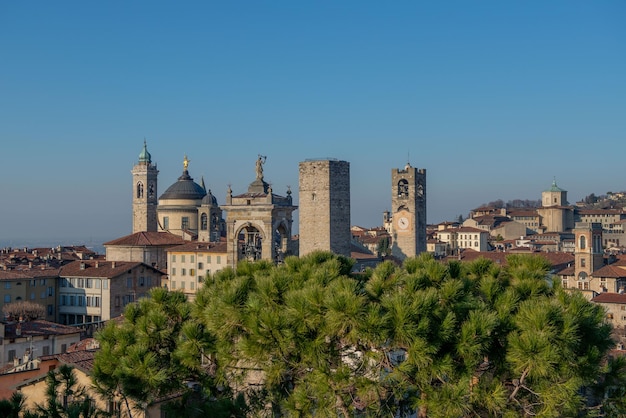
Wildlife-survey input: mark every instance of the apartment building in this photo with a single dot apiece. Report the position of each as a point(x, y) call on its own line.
point(190, 264)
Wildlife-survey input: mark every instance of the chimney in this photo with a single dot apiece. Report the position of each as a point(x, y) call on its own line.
point(97, 264)
point(112, 264)
point(82, 266)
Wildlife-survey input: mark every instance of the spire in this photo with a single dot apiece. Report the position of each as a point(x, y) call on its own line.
point(144, 155)
point(202, 183)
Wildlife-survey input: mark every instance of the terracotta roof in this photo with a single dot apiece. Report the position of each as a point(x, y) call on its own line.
point(38, 327)
point(522, 212)
point(142, 239)
point(82, 360)
point(196, 246)
point(610, 271)
point(610, 298)
point(93, 268)
point(28, 273)
point(600, 211)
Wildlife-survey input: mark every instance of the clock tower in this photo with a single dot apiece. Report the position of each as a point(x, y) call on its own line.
point(408, 211)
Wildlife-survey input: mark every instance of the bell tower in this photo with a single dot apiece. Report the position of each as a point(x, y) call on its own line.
point(408, 211)
point(145, 193)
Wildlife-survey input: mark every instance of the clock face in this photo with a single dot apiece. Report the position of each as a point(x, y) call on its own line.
point(403, 223)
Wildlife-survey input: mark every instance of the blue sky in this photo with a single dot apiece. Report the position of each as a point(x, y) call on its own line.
point(494, 98)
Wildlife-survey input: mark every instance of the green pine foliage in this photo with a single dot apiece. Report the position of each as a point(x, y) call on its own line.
point(308, 339)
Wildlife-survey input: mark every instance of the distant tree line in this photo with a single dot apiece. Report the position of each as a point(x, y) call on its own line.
point(515, 204)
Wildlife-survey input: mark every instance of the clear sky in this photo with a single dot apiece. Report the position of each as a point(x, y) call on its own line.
point(495, 99)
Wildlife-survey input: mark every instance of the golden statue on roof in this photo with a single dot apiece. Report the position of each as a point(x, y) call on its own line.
point(186, 163)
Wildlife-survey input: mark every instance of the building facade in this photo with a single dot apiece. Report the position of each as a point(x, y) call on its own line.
point(94, 291)
point(324, 217)
point(259, 222)
point(191, 264)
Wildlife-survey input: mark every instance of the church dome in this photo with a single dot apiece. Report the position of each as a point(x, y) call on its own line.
point(184, 188)
point(209, 199)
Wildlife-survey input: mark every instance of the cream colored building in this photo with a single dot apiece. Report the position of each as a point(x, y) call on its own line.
point(193, 263)
point(92, 292)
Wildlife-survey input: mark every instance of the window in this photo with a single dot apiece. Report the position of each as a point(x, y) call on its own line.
point(7, 298)
point(208, 259)
point(182, 258)
point(200, 266)
point(142, 281)
point(97, 283)
point(81, 283)
point(173, 285)
point(139, 190)
point(63, 283)
point(46, 350)
point(403, 188)
point(42, 282)
point(105, 283)
point(192, 285)
point(50, 310)
point(88, 283)
point(183, 272)
point(63, 348)
point(117, 301)
point(583, 242)
point(182, 285)
point(166, 222)
point(609, 316)
point(173, 272)
point(7, 285)
point(583, 262)
point(173, 258)
point(63, 300)
point(72, 300)
point(219, 259)
point(184, 224)
point(129, 282)
point(11, 355)
point(32, 295)
point(192, 272)
point(192, 258)
point(96, 301)
point(203, 222)
point(50, 291)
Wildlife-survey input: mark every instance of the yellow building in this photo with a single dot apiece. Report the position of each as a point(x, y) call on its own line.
point(192, 263)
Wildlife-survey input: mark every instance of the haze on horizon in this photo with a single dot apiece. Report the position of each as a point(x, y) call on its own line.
point(494, 99)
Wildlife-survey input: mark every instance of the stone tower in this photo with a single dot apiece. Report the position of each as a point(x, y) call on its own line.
point(145, 193)
point(588, 252)
point(258, 223)
point(325, 206)
point(408, 211)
